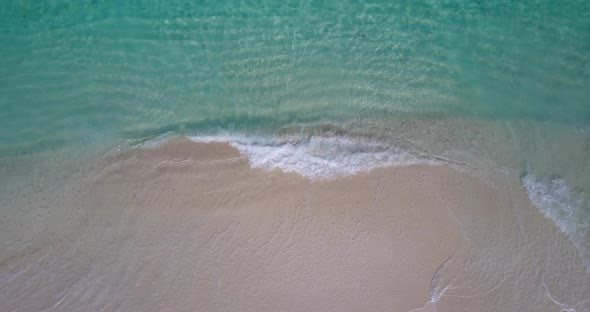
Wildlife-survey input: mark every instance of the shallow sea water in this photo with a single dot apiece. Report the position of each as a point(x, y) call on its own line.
point(316, 88)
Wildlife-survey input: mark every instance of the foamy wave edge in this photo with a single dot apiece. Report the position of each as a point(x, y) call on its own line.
point(558, 203)
point(318, 156)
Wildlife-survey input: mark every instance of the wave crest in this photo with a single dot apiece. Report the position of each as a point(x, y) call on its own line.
point(317, 157)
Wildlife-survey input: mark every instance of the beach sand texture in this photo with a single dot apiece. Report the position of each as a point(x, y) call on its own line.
point(189, 226)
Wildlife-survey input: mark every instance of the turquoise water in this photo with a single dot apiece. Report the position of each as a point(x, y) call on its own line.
point(502, 85)
point(315, 87)
point(92, 70)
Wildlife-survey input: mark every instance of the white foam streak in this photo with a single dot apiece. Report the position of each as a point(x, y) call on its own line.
point(558, 203)
point(564, 307)
point(317, 157)
point(553, 199)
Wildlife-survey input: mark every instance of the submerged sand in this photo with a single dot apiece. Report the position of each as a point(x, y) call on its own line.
point(191, 227)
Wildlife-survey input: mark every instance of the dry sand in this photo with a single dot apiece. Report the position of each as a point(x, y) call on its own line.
point(191, 227)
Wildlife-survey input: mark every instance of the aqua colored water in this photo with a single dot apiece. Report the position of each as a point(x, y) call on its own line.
point(71, 71)
point(498, 84)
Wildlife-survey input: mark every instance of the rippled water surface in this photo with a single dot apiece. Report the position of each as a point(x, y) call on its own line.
point(314, 87)
point(107, 69)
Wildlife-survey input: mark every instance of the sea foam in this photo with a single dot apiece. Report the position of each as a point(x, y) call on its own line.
point(317, 157)
point(556, 201)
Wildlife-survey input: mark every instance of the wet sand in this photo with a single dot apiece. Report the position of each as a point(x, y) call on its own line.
point(191, 227)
